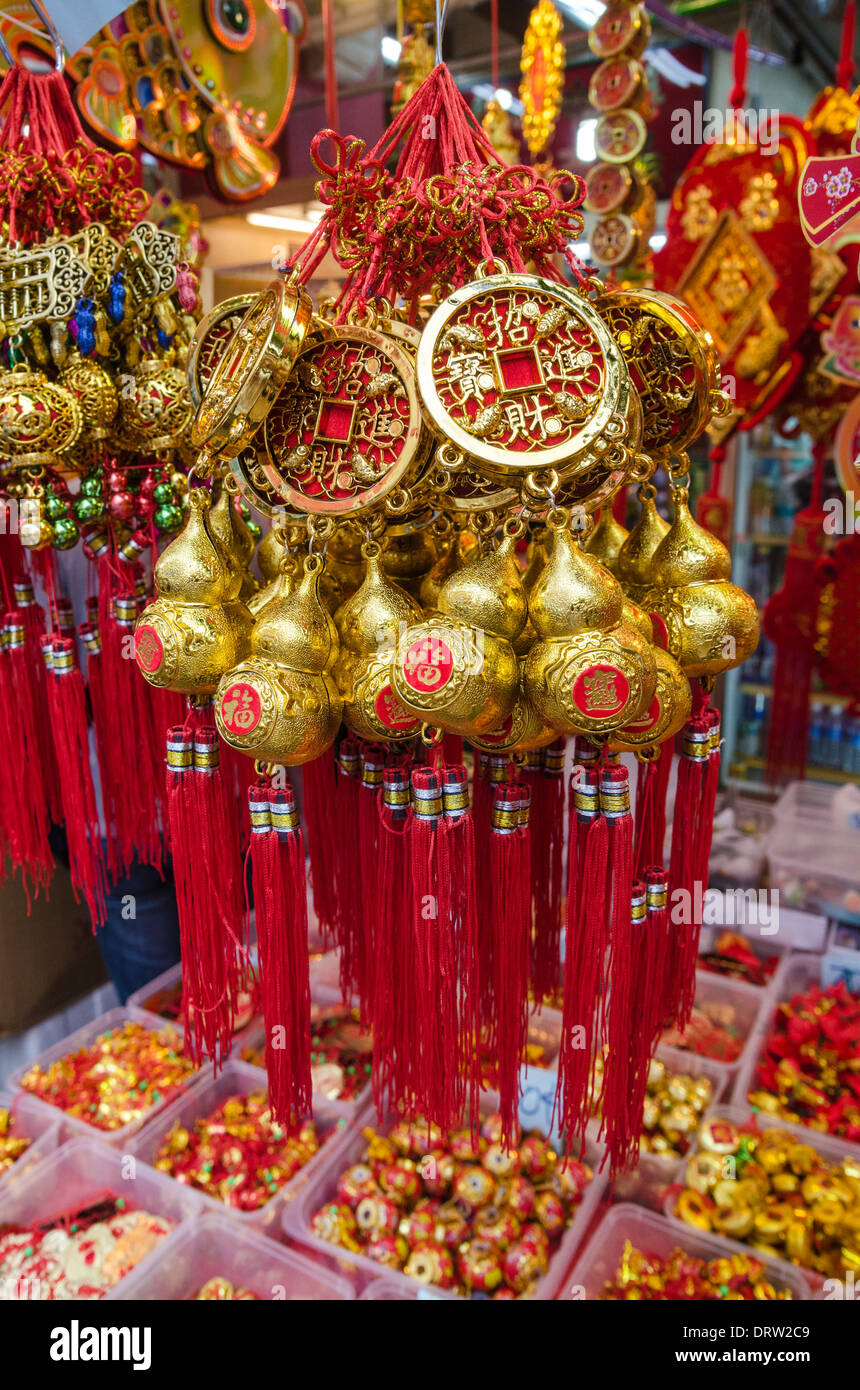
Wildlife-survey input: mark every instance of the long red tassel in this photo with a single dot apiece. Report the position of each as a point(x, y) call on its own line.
point(395, 1002)
point(25, 812)
point(277, 856)
point(660, 942)
point(510, 894)
point(349, 933)
point(685, 871)
point(616, 1119)
point(68, 716)
point(372, 769)
point(45, 769)
point(318, 799)
point(492, 770)
point(457, 828)
point(208, 871)
point(546, 783)
point(652, 783)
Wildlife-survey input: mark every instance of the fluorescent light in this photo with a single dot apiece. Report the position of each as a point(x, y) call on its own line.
point(280, 224)
point(585, 147)
point(658, 241)
point(504, 98)
point(390, 49)
point(585, 12)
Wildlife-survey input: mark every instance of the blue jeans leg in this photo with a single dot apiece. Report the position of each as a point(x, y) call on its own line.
point(140, 937)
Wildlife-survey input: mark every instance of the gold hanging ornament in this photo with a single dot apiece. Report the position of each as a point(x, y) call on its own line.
point(542, 66)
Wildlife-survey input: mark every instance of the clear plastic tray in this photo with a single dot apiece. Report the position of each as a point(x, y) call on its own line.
point(32, 1121)
point(763, 947)
point(833, 1150)
point(814, 859)
point(215, 1246)
point(83, 1170)
point(320, 1189)
point(239, 1078)
point(169, 979)
point(714, 995)
point(797, 974)
point(656, 1235)
point(83, 1037)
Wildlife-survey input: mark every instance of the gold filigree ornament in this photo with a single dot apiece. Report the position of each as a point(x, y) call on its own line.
point(521, 375)
point(252, 369)
point(542, 67)
point(155, 408)
point(40, 420)
point(672, 363)
point(346, 434)
point(212, 335)
point(95, 391)
point(40, 283)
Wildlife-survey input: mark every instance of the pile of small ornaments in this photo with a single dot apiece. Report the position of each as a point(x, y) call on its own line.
point(459, 1211)
point(680, 1277)
point(12, 1145)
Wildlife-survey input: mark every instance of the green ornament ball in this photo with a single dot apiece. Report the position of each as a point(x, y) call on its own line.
point(64, 532)
point(89, 509)
point(168, 517)
point(55, 506)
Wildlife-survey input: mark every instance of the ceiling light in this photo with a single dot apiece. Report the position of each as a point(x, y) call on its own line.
point(585, 12)
point(280, 224)
point(585, 147)
point(390, 49)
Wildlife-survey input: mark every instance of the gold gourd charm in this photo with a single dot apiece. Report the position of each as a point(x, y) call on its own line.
point(457, 669)
point(369, 625)
point(633, 565)
point(281, 704)
point(589, 672)
point(707, 623)
point(197, 628)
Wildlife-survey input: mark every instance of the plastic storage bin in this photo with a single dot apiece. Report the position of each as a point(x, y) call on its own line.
point(83, 1037)
point(814, 853)
point(169, 980)
point(833, 1150)
point(762, 947)
point(723, 999)
point(83, 1171)
point(799, 973)
point(32, 1121)
point(320, 1189)
point(238, 1078)
point(656, 1235)
point(738, 849)
point(214, 1246)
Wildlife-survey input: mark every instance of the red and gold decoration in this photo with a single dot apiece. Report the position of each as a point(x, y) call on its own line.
point(678, 1277)
point(80, 1254)
point(542, 65)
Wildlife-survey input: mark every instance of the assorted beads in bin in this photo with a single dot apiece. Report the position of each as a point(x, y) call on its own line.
point(680, 1277)
point(457, 1211)
point(12, 1145)
point(732, 955)
point(772, 1190)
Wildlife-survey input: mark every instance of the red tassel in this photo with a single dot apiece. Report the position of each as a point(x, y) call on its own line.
point(685, 871)
point(277, 855)
point(24, 806)
point(510, 896)
point(660, 943)
point(45, 769)
point(616, 1119)
point(546, 819)
point(490, 773)
point(457, 828)
point(395, 1001)
point(652, 783)
point(372, 769)
point(68, 716)
point(845, 66)
point(318, 799)
point(349, 933)
point(586, 943)
point(208, 871)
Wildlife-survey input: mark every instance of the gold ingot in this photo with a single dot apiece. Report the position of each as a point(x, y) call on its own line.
point(369, 625)
point(606, 539)
point(633, 564)
point(708, 624)
point(589, 672)
point(281, 705)
point(458, 669)
point(196, 629)
point(667, 712)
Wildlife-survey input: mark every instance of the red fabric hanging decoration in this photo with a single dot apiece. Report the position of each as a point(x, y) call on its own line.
point(543, 774)
point(277, 856)
point(395, 1001)
point(845, 66)
point(319, 787)
point(687, 858)
point(789, 620)
point(510, 895)
point(617, 1121)
point(68, 720)
point(349, 923)
point(586, 943)
point(652, 783)
point(25, 813)
point(208, 872)
point(713, 510)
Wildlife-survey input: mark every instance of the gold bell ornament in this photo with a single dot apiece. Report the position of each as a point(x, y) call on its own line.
point(457, 670)
point(281, 705)
point(589, 672)
point(369, 625)
point(197, 629)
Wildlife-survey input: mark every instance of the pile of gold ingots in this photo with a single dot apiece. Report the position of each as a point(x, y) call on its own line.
point(402, 463)
point(93, 392)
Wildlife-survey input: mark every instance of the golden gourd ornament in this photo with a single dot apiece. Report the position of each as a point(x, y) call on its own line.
point(369, 625)
point(228, 527)
point(589, 672)
point(606, 540)
point(707, 623)
point(409, 553)
point(196, 629)
point(522, 732)
point(281, 705)
point(633, 564)
point(667, 711)
point(458, 669)
point(448, 561)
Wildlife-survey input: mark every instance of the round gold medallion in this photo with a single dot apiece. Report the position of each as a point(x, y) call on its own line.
point(615, 83)
point(519, 374)
point(607, 187)
point(213, 333)
point(252, 368)
point(620, 136)
point(614, 240)
point(672, 364)
point(620, 29)
point(347, 429)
